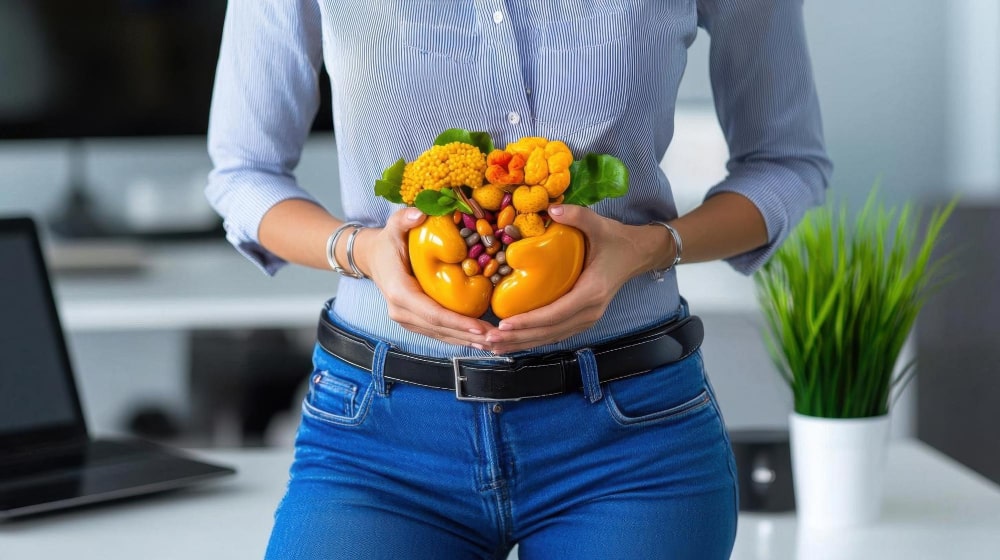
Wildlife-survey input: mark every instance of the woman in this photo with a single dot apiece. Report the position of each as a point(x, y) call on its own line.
point(635, 467)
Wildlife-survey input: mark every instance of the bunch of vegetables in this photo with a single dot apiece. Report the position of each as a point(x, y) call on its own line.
point(487, 241)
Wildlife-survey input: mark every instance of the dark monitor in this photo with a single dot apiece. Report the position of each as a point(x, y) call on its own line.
point(100, 68)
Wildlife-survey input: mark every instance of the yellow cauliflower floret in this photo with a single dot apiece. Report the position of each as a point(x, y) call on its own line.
point(557, 183)
point(527, 145)
point(536, 169)
point(558, 155)
point(488, 196)
point(531, 199)
point(530, 225)
point(452, 165)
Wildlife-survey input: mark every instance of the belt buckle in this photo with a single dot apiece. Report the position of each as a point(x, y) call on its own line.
point(456, 364)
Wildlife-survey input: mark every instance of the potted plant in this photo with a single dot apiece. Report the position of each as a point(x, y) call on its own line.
point(840, 298)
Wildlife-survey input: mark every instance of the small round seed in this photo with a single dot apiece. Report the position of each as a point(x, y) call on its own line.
point(470, 267)
point(496, 278)
point(472, 239)
point(483, 228)
point(513, 231)
point(504, 270)
point(501, 257)
point(465, 232)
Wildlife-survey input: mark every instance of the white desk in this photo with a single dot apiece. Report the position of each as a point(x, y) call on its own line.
point(934, 509)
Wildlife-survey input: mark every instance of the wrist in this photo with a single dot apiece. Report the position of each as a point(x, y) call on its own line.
point(340, 250)
point(363, 250)
point(669, 250)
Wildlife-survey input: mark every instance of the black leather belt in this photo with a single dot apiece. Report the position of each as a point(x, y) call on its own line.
point(503, 378)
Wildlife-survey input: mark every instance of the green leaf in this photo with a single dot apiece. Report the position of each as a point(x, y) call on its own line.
point(594, 178)
point(392, 179)
point(481, 140)
point(439, 203)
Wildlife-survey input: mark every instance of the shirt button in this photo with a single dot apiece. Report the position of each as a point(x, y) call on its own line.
point(497, 16)
point(513, 117)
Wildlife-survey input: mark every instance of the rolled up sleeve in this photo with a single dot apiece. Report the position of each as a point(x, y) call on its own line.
point(767, 105)
point(265, 98)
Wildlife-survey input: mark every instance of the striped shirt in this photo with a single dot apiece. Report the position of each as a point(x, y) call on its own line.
point(601, 75)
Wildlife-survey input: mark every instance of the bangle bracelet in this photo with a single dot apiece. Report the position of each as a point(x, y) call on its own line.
point(350, 255)
point(678, 250)
point(331, 247)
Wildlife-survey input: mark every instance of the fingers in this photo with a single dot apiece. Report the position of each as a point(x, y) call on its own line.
point(404, 220)
point(410, 307)
point(406, 301)
point(573, 313)
point(580, 217)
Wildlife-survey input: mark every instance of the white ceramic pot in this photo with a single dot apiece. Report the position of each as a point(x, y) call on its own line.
point(837, 469)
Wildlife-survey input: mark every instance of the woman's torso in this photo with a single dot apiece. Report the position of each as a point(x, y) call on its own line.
point(601, 76)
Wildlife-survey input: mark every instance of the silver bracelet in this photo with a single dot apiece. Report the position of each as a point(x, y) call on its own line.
point(331, 247)
point(350, 255)
point(678, 253)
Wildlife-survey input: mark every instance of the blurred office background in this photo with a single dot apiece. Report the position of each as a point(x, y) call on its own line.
point(175, 336)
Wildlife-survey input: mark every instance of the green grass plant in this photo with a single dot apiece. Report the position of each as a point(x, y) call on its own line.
point(840, 298)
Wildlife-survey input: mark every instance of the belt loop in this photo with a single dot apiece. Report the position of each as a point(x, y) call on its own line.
point(588, 373)
point(378, 368)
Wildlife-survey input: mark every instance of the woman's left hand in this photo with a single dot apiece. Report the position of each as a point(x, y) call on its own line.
point(616, 252)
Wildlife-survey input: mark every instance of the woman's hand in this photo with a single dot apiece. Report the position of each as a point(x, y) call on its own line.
point(382, 254)
point(616, 253)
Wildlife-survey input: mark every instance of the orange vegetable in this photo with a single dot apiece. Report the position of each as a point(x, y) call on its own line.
point(545, 268)
point(436, 254)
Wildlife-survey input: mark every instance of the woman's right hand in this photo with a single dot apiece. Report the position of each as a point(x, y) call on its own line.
point(382, 254)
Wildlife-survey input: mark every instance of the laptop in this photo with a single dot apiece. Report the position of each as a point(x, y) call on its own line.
point(48, 460)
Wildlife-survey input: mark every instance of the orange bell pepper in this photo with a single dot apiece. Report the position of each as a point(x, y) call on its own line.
point(545, 268)
point(436, 254)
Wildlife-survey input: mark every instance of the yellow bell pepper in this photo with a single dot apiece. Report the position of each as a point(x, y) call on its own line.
point(436, 253)
point(545, 268)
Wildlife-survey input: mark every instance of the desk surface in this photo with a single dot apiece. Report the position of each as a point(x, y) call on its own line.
point(934, 509)
point(210, 285)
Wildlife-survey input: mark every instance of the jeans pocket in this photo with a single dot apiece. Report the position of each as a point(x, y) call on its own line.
point(339, 393)
point(667, 393)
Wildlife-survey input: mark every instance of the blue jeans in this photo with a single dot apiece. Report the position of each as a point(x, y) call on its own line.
point(632, 469)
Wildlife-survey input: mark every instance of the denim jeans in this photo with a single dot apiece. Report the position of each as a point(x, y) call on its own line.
point(632, 469)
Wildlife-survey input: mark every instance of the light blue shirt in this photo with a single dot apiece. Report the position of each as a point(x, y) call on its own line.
point(601, 76)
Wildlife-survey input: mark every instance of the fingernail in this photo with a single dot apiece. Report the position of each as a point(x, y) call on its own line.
point(475, 331)
point(477, 346)
point(413, 214)
point(505, 327)
point(555, 210)
point(492, 338)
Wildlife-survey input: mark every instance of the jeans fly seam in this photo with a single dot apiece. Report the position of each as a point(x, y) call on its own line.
point(496, 484)
point(378, 368)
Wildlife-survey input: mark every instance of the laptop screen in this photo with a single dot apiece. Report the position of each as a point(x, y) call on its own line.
point(36, 388)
